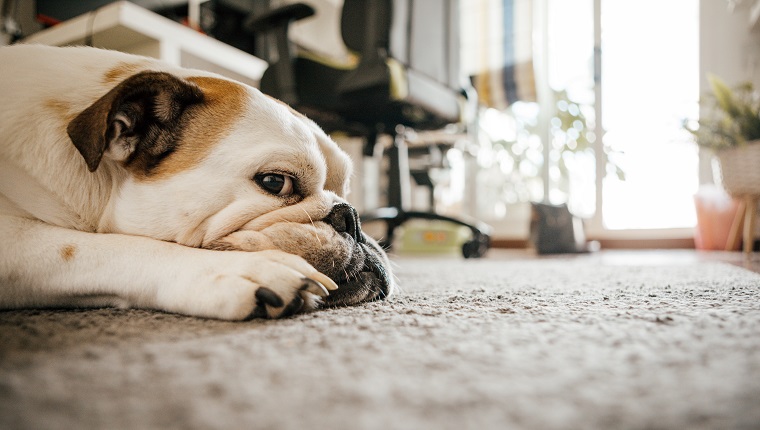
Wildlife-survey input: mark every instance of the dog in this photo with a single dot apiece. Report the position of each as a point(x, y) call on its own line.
point(131, 183)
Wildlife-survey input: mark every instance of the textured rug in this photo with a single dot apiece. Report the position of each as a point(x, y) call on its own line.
point(492, 344)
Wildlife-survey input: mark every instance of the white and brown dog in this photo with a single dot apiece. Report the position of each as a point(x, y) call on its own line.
point(128, 182)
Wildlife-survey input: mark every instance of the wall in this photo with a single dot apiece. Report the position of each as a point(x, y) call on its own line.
point(729, 48)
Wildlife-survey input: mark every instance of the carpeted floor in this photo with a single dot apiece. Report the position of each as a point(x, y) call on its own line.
point(493, 344)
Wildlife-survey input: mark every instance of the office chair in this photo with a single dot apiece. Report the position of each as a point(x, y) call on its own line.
point(406, 76)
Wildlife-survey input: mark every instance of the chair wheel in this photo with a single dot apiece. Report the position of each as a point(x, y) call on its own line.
point(475, 248)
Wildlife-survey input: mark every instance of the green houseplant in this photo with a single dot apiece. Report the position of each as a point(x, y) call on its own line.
point(730, 117)
point(730, 126)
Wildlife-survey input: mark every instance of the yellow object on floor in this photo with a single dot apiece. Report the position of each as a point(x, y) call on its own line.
point(431, 237)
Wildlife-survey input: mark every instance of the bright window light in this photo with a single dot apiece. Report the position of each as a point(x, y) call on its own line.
point(650, 84)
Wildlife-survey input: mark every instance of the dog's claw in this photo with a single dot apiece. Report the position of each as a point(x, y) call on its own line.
point(265, 296)
point(314, 287)
point(324, 280)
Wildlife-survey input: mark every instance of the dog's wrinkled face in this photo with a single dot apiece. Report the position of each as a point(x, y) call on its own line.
point(215, 164)
point(335, 245)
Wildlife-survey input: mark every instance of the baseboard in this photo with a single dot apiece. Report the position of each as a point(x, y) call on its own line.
point(686, 243)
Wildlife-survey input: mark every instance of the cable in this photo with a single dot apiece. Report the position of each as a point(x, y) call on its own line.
point(90, 24)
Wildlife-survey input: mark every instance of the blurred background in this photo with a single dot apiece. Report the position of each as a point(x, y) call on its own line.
point(580, 104)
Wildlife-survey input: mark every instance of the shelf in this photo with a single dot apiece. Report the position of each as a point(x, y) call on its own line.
point(126, 27)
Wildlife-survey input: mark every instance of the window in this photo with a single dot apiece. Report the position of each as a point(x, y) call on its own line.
point(638, 169)
point(650, 84)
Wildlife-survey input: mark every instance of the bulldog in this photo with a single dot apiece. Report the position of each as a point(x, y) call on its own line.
point(128, 182)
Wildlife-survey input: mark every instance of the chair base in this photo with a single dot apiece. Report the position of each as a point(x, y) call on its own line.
point(476, 247)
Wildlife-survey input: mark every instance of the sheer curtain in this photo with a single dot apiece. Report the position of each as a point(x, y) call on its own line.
point(497, 50)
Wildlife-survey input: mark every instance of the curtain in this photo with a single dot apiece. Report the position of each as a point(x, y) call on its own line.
point(497, 50)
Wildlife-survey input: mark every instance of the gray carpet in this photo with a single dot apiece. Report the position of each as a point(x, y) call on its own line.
point(491, 344)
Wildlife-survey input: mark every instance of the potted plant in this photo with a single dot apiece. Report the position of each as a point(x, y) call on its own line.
point(730, 126)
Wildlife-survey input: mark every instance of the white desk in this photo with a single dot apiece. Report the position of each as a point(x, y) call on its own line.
point(126, 27)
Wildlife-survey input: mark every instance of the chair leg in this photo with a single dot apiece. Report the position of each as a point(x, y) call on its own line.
point(399, 201)
point(736, 227)
point(749, 223)
point(399, 180)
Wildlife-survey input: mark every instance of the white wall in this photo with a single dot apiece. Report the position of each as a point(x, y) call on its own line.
point(729, 48)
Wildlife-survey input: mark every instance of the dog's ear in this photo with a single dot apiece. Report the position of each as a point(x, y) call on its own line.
point(142, 113)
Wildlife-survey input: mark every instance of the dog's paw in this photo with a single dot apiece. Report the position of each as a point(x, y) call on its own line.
point(270, 304)
point(245, 285)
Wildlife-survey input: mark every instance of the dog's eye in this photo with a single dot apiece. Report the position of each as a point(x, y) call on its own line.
point(275, 183)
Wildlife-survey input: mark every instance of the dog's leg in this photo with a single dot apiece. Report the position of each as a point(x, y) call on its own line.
point(43, 266)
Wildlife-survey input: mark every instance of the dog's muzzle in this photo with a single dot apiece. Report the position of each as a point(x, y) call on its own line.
point(362, 275)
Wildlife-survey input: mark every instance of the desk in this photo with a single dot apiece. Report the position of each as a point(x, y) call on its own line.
point(126, 27)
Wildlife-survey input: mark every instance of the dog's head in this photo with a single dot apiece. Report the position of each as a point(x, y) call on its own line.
point(208, 162)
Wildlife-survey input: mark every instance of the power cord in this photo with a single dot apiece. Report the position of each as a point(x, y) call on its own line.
point(90, 24)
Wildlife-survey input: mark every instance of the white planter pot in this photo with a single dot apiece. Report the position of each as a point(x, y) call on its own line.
point(740, 169)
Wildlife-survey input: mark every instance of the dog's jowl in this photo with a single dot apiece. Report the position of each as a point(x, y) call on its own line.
point(128, 182)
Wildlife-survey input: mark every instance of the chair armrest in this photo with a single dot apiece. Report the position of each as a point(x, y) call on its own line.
point(277, 17)
point(372, 70)
point(276, 22)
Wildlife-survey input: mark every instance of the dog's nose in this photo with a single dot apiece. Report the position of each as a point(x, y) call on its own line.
point(344, 219)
